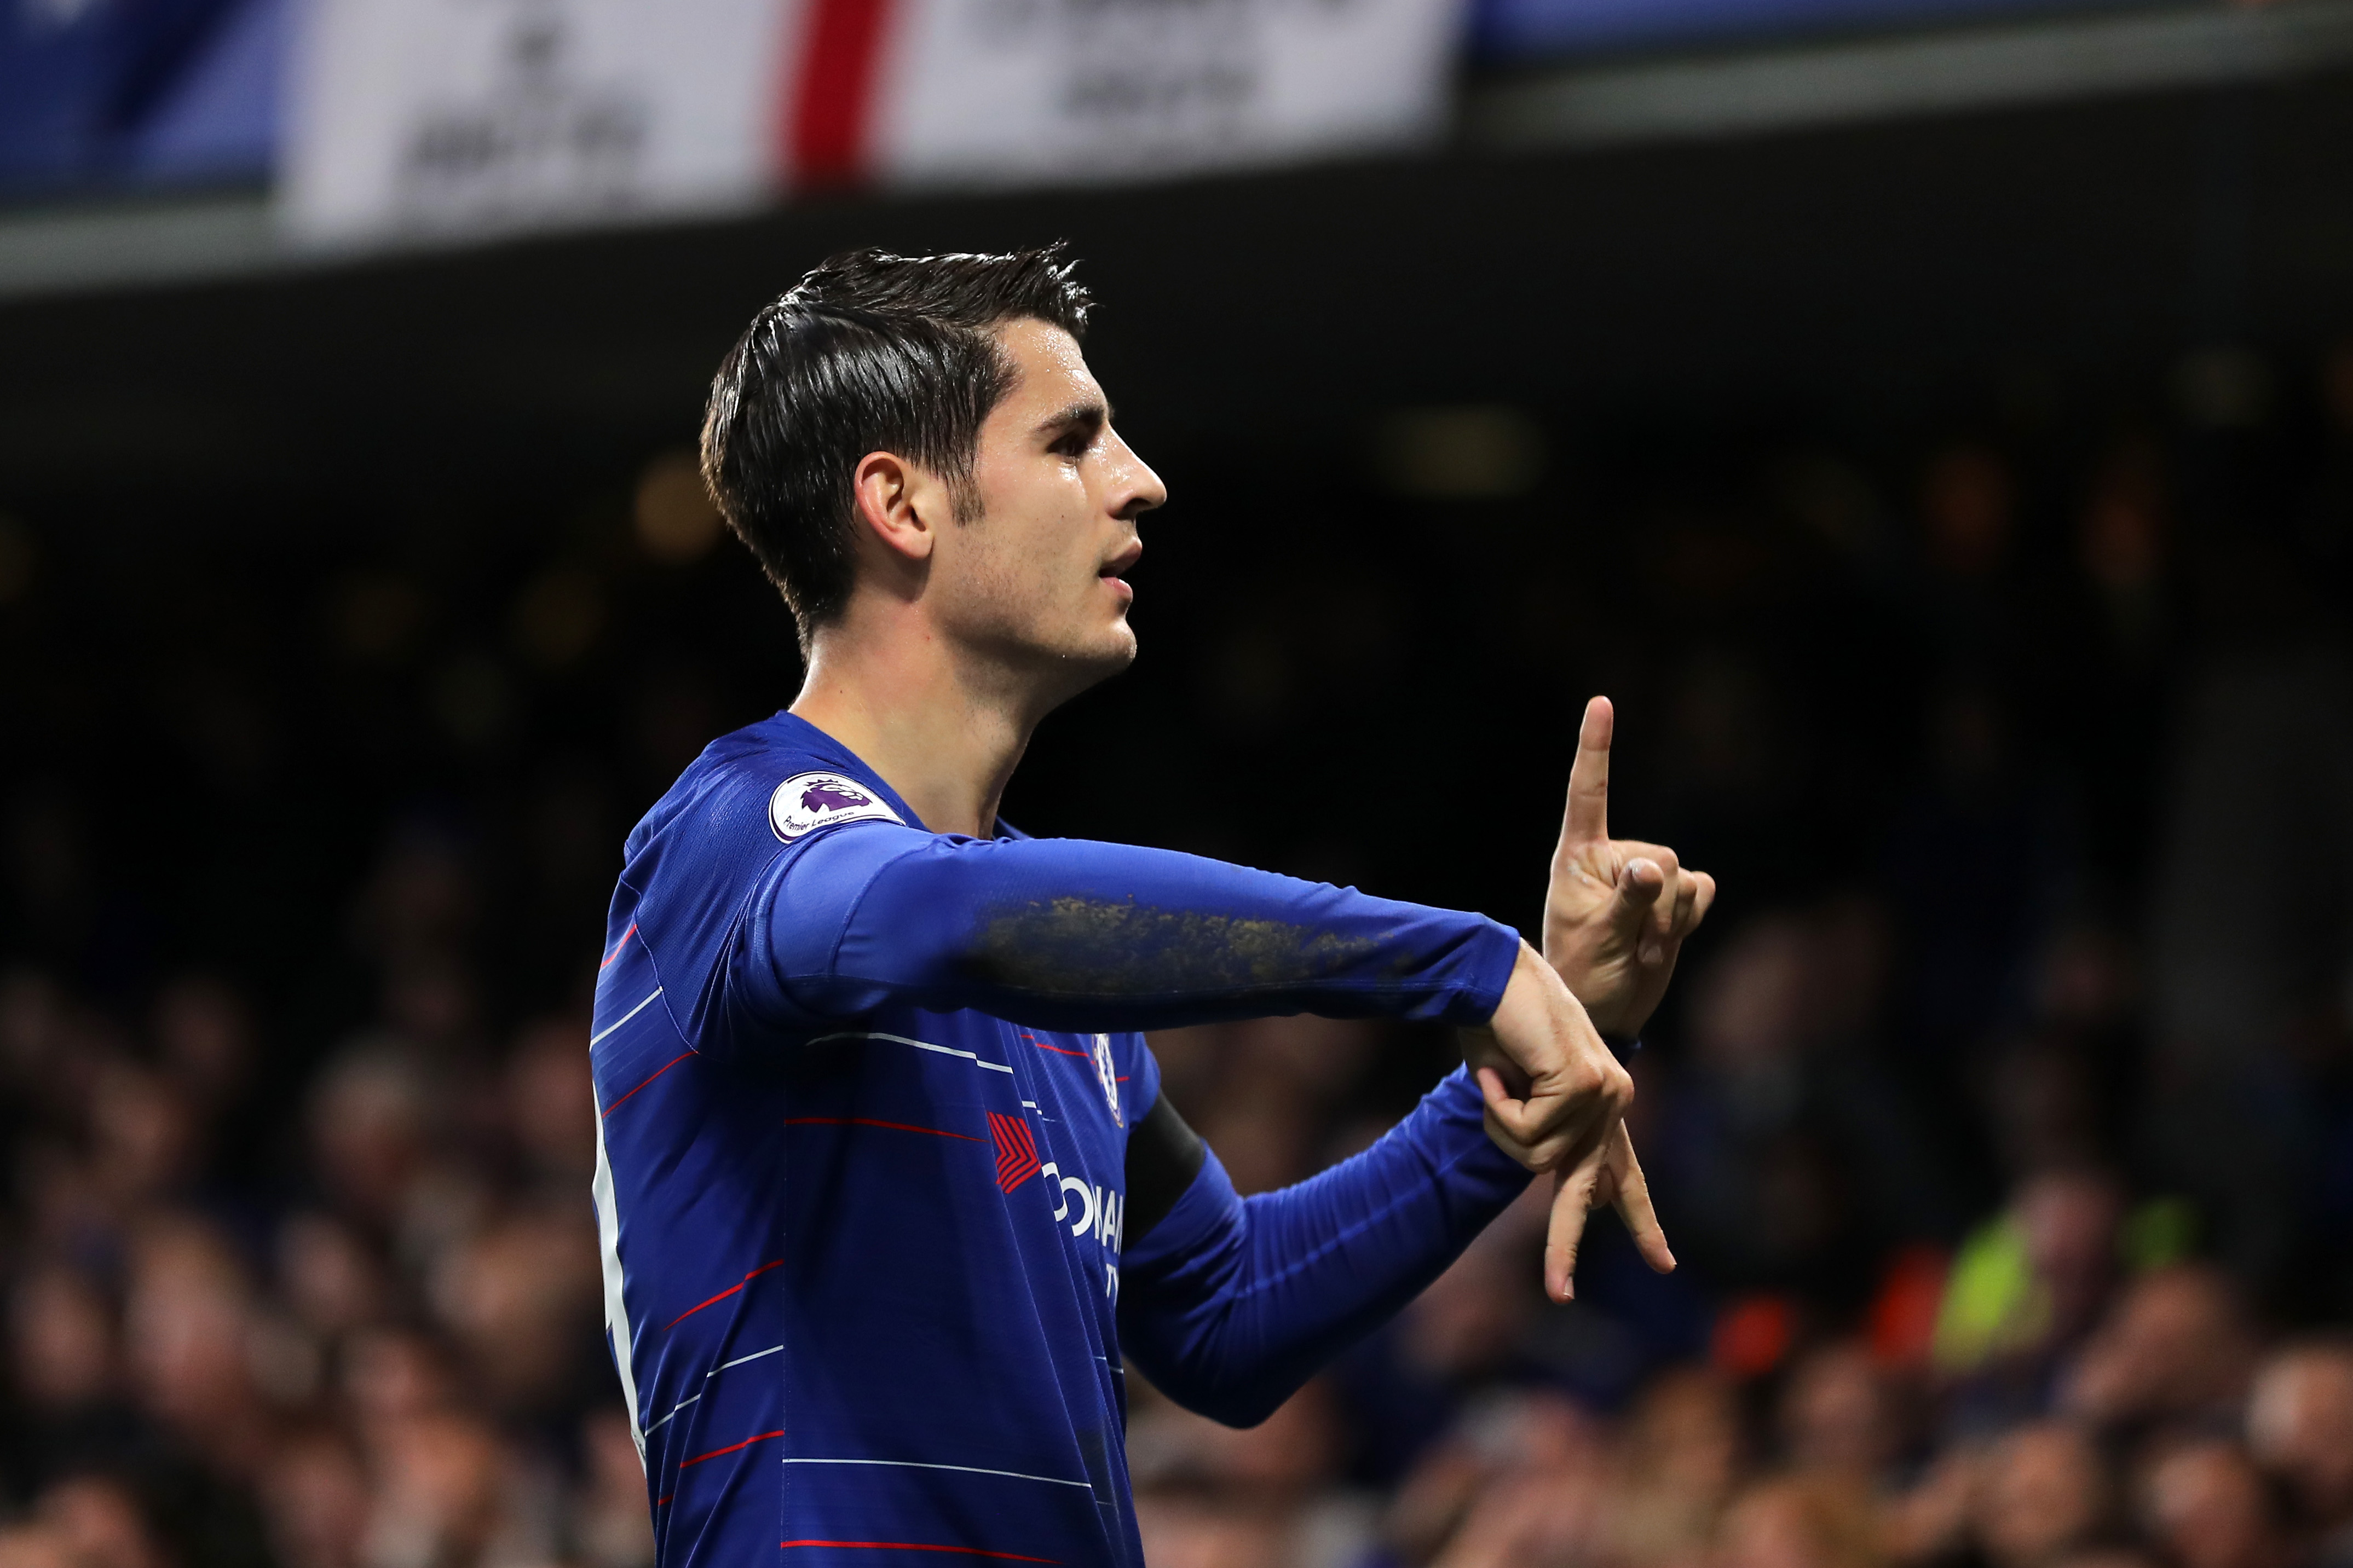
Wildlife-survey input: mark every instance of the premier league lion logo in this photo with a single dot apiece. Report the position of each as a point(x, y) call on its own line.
point(807, 801)
point(828, 796)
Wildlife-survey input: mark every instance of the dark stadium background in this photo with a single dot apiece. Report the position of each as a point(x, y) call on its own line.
point(338, 662)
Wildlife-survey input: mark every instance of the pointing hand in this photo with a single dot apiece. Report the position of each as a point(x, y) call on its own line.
point(1618, 910)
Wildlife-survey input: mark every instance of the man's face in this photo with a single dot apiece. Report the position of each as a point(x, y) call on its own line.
point(1034, 580)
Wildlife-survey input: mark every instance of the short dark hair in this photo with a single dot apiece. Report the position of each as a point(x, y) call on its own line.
point(870, 351)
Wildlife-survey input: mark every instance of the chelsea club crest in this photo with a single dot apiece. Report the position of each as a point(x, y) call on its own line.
point(1107, 1074)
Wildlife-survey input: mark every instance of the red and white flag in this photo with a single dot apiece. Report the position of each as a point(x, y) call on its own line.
point(461, 116)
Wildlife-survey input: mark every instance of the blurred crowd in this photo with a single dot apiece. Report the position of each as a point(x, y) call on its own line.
point(393, 1361)
point(2002, 1117)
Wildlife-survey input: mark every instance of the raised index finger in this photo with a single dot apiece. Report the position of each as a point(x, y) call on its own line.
point(1588, 776)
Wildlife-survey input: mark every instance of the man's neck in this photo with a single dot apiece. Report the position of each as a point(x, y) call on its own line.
point(943, 734)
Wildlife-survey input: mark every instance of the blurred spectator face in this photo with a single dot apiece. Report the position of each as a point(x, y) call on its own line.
point(518, 1296)
point(1688, 1427)
point(1836, 1413)
point(32, 1024)
point(1186, 1532)
point(1852, 942)
point(1966, 503)
point(1683, 1445)
point(1799, 1523)
point(421, 902)
point(1533, 1519)
point(330, 1278)
point(2208, 1505)
point(2043, 1492)
point(1523, 1472)
point(69, 1211)
point(1752, 1009)
point(367, 1133)
point(204, 1038)
point(392, 1375)
point(438, 1480)
point(1931, 1520)
point(2069, 1219)
point(2300, 1425)
point(1285, 1455)
point(315, 1498)
point(143, 1132)
point(1314, 1057)
point(35, 1546)
point(550, 1103)
point(100, 1524)
point(1288, 1454)
point(615, 1530)
point(429, 998)
point(186, 1328)
point(2044, 1106)
point(2086, 980)
point(62, 1340)
point(1261, 1140)
point(2175, 1345)
point(1473, 1316)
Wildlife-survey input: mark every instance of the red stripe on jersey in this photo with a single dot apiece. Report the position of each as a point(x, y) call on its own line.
point(618, 946)
point(920, 1546)
point(758, 1437)
point(682, 1317)
point(870, 1121)
point(647, 1078)
point(1058, 1050)
point(1016, 1151)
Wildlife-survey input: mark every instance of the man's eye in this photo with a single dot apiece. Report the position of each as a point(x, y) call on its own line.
point(1074, 445)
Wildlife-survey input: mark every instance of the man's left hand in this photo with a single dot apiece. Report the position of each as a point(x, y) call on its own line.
point(1618, 910)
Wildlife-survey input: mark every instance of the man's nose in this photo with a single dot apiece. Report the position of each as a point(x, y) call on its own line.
point(1139, 488)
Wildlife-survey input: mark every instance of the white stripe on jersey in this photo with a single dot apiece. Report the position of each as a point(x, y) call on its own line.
point(707, 1376)
point(608, 1243)
point(903, 1040)
point(967, 1469)
point(623, 1018)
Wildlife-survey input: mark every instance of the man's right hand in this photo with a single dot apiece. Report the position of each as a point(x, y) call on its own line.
point(1556, 1102)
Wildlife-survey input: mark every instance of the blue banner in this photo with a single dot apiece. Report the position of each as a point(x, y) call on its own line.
point(1514, 31)
point(103, 94)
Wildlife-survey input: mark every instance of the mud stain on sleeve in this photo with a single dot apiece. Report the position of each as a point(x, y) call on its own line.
point(1101, 948)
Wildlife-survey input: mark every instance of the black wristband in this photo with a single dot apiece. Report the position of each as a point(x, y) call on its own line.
point(1623, 1047)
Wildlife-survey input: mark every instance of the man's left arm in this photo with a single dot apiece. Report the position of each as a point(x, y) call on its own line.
point(1229, 1304)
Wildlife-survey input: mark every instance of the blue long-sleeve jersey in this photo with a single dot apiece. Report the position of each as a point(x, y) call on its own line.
point(886, 1189)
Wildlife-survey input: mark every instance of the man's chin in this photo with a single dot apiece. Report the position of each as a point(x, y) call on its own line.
point(1109, 656)
point(1076, 669)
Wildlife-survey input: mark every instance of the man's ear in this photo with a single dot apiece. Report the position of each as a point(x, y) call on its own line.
point(901, 504)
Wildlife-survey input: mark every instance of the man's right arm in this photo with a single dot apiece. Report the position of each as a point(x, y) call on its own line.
point(1075, 934)
point(1064, 934)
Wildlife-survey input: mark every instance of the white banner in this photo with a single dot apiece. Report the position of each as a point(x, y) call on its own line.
point(467, 116)
point(464, 115)
point(1002, 91)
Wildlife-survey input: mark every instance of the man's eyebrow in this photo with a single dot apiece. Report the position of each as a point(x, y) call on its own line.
point(1092, 411)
